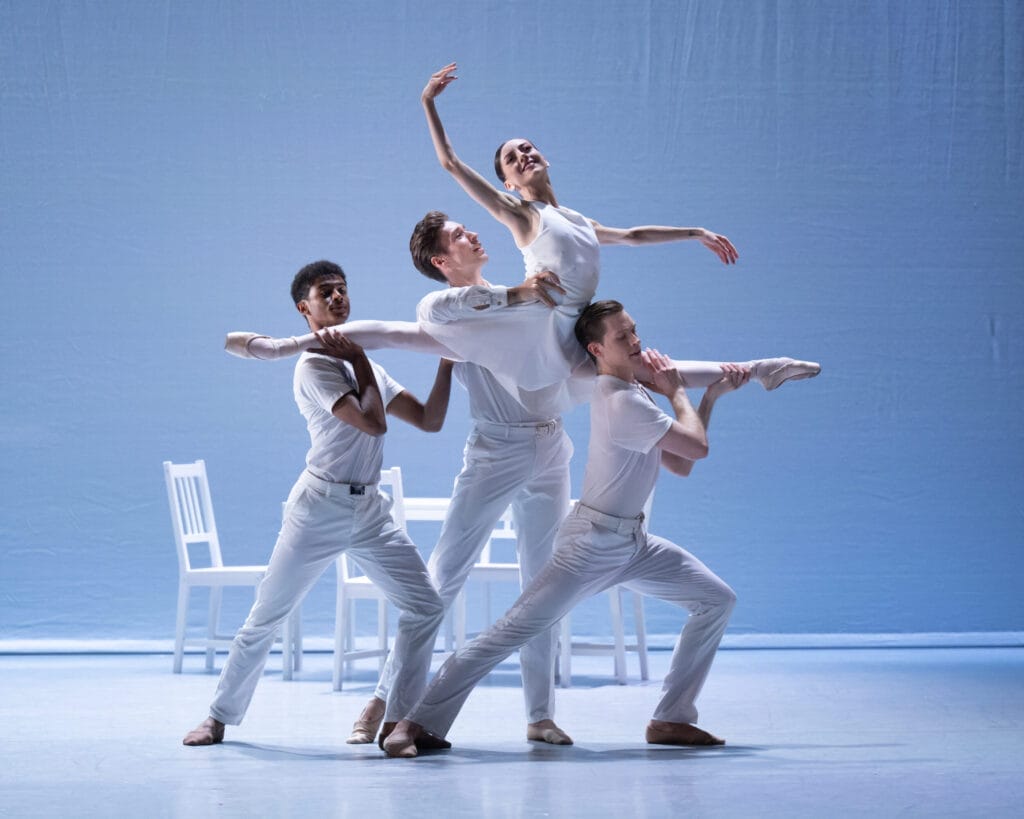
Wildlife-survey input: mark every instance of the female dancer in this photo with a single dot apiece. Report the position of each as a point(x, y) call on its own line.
point(530, 348)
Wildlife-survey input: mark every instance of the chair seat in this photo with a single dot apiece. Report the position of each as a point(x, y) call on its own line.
point(225, 576)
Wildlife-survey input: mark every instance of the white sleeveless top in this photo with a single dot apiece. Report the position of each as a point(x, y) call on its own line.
point(531, 349)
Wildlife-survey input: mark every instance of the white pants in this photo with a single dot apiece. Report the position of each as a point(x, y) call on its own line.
point(589, 558)
point(321, 520)
point(526, 466)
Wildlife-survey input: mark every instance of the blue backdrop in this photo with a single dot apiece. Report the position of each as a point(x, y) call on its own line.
point(166, 167)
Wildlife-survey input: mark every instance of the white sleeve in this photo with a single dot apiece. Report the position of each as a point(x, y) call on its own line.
point(635, 422)
point(388, 387)
point(455, 303)
point(322, 381)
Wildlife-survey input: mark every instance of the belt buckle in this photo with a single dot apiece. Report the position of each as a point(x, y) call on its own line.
point(354, 489)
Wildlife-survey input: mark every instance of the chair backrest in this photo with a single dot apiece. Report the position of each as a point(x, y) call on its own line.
point(188, 496)
point(391, 477)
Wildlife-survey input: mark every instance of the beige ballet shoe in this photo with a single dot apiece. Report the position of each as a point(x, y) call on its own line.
point(679, 733)
point(264, 348)
point(207, 732)
point(364, 731)
point(547, 731)
point(773, 372)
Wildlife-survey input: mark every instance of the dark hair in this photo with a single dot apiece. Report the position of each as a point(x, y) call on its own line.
point(497, 162)
point(590, 324)
point(425, 244)
point(310, 274)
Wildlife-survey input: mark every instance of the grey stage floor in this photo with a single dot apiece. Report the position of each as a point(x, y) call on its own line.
point(813, 733)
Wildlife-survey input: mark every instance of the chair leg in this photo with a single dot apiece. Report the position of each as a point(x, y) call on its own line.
point(340, 626)
point(213, 623)
point(618, 631)
point(285, 632)
point(296, 637)
point(565, 660)
point(641, 633)
point(382, 634)
point(459, 609)
point(180, 625)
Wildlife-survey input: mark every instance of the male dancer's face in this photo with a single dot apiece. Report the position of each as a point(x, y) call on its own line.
point(462, 257)
point(618, 351)
point(327, 303)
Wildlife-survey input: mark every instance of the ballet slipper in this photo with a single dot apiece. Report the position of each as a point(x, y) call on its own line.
point(679, 733)
point(385, 732)
point(547, 731)
point(364, 729)
point(264, 348)
point(208, 732)
point(773, 372)
point(401, 742)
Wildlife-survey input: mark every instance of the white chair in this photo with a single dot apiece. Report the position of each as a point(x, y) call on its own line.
point(188, 496)
point(353, 585)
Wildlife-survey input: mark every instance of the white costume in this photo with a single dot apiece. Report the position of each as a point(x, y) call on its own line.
point(512, 456)
point(336, 506)
point(531, 347)
point(602, 543)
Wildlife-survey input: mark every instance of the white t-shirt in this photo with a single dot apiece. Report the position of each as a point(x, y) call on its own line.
point(623, 460)
point(338, 451)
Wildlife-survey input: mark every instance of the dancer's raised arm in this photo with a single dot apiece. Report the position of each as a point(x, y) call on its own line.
point(506, 208)
point(656, 234)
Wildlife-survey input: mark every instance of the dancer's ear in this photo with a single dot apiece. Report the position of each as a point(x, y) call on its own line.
point(594, 348)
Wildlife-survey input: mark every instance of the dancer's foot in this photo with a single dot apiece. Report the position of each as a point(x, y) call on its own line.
point(208, 732)
point(408, 738)
point(773, 372)
point(265, 348)
point(547, 731)
point(364, 729)
point(401, 742)
point(679, 733)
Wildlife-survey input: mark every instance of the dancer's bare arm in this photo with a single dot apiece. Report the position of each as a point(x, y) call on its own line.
point(735, 376)
point(506, 208)
point(428, 416)
point(657, 234)
point(361, 407)
point(686, 438)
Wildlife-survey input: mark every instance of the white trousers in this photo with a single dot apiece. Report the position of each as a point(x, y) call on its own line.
point(589, 558)
point(321, 520)
point(527, 467)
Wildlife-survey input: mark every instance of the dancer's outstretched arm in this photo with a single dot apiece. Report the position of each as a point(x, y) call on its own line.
point(657, 234)
point(503, 206)
point(367, 333)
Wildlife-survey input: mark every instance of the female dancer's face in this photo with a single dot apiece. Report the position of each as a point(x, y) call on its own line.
point(521, 162)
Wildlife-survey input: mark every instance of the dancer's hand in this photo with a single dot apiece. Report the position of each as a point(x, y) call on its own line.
point(337, 345)
point(538, 287)
point(664, 377)
point(735, 376)
point(719, 245)
point(439, 80)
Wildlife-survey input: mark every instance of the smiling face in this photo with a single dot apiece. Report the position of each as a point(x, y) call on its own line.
point(326, 303)
point(461, 257)
point(519, 163)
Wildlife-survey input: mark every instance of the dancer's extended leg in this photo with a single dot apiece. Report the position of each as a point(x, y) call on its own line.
point(769, 372)
point(367, 333)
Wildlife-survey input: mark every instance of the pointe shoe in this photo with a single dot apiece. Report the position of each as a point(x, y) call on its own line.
point(773, 372)
point(264, 348)
point(208, 732)
point(679, 733)
point(364, 731)
point(547, 731)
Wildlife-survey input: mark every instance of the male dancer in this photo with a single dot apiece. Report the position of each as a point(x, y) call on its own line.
point(336, 506)
point(512, 456)
point(604, 542)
